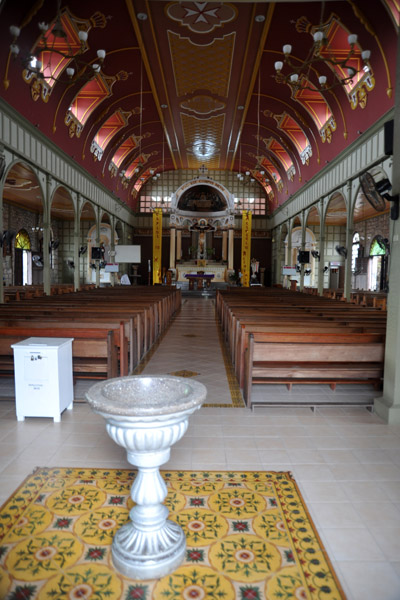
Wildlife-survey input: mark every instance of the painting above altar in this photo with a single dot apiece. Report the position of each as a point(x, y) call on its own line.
point(202, 198)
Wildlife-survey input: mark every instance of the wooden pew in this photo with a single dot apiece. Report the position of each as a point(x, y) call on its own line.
point(142, 314)
point(94, 351)
point(313, 358)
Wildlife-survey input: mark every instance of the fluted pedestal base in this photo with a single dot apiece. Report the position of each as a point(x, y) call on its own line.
point(146, 416)
point(147, 555)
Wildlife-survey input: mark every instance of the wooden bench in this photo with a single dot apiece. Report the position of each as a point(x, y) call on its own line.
point(141, 314)
point(313, 358)
point(95, 352)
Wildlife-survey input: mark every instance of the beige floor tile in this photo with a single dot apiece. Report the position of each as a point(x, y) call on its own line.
point(370, 580)
point(388, 539)
point(336, 456)
point(378, 514)
point(326, 491)
point(367, 491)
point(270, 455)
point(353, 543)
point(335, 514)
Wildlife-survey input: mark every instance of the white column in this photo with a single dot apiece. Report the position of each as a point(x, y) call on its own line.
point(303, 247)
point(321, 264)
point(388, 406)
point(349, 243)
point(178, 244)
point(46, 238)
point(76, 244)
point(172, 249)
point(1, 257)
point(224, 244)
point(230, 249)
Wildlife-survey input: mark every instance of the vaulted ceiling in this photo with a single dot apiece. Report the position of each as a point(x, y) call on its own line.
point(190, 84)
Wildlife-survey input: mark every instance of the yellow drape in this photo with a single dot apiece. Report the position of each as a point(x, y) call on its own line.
point(246, 247)
point(157, 240)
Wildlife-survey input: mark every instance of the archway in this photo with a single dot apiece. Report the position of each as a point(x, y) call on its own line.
point(61, 244)
point(86, 223)
point(204, 209)
point(335, 236)
point(22, 259)
point(313, 225)
point(378, 265)
point(295, 256)
point(369, 260)
point(281, 254)
point(22, 203)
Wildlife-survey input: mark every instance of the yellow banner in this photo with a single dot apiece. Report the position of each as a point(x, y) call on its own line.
point(157, 240)
point(246, 247)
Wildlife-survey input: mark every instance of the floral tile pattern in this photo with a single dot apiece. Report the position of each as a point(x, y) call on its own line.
point(249, 536)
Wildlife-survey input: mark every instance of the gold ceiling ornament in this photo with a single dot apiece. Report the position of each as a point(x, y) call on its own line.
point(319, 55)
point(57, 55)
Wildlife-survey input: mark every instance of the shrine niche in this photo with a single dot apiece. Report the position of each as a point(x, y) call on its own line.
point(202, 198)
point(205, 209)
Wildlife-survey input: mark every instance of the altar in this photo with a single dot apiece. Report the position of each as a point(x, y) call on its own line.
point(191, 267)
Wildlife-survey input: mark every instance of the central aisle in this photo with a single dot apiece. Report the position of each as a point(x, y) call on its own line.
point(193, 347)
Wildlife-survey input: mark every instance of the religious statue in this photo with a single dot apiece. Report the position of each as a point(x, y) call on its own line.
point(201, 247)
point(254, 265)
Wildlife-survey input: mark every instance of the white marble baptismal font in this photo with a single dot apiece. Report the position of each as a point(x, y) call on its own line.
point(147, 415)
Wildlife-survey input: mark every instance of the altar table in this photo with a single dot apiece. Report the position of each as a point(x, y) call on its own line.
point(199, 278)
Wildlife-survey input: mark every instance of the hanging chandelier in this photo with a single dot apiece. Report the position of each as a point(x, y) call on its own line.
point(57, 55)
point(343, 68)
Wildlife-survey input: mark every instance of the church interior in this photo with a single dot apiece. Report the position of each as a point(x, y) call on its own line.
point(206, 191)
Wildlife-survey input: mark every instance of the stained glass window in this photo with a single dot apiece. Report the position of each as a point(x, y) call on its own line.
point(22, 240)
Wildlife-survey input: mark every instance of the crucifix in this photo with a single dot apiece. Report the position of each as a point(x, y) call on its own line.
point(203, 170)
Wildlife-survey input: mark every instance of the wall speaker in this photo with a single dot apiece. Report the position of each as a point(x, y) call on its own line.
point(97, 253)
point(303, 257)
point(388, 141)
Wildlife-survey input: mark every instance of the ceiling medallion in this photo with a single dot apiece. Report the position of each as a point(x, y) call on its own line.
point(202, 105)
point(201, 17)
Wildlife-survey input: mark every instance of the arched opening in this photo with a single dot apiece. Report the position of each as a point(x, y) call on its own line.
point(86, 223)
point(378, 265)
point(298, 259)
point(313, 225)
point(335, 244)
point(99, 252)
point(22, 259)
point(369, 259)
point(61, 244)
point(22, 203)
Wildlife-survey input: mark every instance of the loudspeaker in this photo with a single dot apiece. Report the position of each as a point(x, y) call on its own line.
point(97, 253)
point(303, 257)
point(388, 141)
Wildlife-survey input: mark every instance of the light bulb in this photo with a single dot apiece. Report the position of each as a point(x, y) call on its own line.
point(365, 54)
point(15, 31)
point(294, 78)
point(318, 36)
point(70, 71)
point(287, 48)
point(322, 79)
point(278, 65)
point(83, 35)
point(101, 54)
point(352, 39)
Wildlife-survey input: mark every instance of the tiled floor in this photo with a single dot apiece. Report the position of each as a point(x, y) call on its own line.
point(345, 460)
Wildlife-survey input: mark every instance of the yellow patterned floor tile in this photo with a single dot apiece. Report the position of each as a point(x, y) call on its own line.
point(249, 537)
